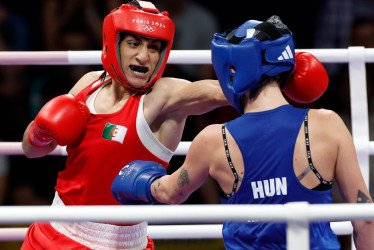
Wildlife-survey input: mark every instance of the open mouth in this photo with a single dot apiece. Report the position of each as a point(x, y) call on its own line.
point(139, 69)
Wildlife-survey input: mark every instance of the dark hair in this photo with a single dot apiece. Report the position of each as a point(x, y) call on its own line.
point(135, 3)
point(103, 75)
point(280, 79)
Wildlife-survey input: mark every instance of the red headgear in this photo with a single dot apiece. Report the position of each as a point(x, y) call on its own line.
point(145, 21)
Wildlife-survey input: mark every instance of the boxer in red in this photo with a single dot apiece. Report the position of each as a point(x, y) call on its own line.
point(111, 118)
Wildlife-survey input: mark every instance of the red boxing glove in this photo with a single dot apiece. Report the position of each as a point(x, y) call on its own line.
point(62, 119)
point(309, 79)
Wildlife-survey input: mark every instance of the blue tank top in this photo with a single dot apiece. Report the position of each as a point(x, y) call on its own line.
point(267, 140)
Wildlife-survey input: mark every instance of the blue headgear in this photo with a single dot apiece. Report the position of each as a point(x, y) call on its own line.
point(243, 56)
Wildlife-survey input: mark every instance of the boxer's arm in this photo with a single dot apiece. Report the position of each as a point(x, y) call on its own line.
point(196, 98)
point(350, 180)
point(147, 181)
point(177, 187)
point(183, 98)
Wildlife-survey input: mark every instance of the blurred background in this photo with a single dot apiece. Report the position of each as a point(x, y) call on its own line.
point(52, 25)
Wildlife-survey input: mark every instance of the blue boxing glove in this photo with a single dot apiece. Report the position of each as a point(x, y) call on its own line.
point(132, 185)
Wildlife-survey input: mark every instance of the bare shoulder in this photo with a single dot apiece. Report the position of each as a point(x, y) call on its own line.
point(328, 123)
point(202, 154)
point(326, 117)
point(85, 80)
point(208, 140)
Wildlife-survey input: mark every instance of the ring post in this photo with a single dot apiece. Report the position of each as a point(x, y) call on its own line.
point(297, 226)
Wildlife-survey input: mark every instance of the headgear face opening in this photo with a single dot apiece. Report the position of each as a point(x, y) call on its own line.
point(253, 50)
point(146, 21)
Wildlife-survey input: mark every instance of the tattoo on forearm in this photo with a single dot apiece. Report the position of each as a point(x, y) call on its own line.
point(363, 198)
point(156, 186)
point(182, 181)
point(183, 178)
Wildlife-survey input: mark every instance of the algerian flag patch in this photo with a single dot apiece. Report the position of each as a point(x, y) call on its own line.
point(114, 132)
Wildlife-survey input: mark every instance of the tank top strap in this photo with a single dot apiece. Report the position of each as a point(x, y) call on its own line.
point(324, 185)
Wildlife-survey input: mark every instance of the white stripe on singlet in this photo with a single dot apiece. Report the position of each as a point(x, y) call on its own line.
point(148, 138)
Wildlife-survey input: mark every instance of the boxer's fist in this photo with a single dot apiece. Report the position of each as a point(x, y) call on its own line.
point(309, 80)
point(133, 182)
point(62, 119)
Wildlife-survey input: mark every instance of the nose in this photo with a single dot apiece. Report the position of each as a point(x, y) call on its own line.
point(142, 56)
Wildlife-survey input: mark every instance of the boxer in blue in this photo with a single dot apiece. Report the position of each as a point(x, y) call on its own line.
point(265, 155)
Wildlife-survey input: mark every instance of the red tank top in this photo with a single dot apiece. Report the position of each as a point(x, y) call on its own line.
point(109, 142)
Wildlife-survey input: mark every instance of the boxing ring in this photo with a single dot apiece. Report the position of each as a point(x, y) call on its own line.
point(205, 221)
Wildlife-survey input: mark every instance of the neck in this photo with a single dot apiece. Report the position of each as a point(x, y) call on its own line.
point(111, 98)
point(269, 97)
point(119, 92)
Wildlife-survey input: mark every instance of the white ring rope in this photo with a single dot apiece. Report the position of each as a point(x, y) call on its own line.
point(15, 148)
point(93, 57)
point(181, 214)
point(296, 215)
point(198, 231)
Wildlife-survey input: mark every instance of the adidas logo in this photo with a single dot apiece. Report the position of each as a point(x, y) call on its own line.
point(286, 54)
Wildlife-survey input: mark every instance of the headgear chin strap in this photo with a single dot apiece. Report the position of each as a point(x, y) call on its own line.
point(144, 20)
point(255, 49)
